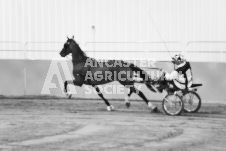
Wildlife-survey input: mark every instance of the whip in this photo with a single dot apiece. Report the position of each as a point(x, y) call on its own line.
point(149, 14)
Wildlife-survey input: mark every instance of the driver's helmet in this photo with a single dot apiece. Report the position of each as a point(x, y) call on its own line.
point(178, 57)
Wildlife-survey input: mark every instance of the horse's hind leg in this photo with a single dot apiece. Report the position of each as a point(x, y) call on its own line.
point(65, 88)
point(109, 106)
point(135, 90)
point(127, 98)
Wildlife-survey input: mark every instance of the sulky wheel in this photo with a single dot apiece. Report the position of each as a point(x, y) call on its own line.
point(173, 104)
point(192, 102)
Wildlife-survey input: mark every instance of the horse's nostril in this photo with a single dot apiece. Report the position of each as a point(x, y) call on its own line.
point(61, 54)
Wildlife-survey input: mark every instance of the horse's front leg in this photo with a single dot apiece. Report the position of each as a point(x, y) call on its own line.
point(68, 93)
point(127, 102)
point(109, 106)
point(78, 81)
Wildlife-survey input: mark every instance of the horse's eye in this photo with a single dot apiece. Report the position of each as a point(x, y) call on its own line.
point(65, 45)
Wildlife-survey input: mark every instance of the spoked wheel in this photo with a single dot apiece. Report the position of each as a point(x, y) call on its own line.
point(173, 104)
point(192, 102)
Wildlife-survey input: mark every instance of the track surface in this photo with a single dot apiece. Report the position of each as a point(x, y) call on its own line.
point(33, 124)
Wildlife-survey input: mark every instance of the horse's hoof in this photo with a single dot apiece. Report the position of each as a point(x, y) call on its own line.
point(110, 108)
point(69, 94)
point(155, 110)
point(127, 104)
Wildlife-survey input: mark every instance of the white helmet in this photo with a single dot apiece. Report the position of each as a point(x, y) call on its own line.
point(178, 57)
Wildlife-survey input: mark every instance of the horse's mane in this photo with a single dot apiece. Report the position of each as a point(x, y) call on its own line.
point(79, 50)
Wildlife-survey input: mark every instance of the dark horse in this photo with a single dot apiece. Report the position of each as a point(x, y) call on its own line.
point(86, 70)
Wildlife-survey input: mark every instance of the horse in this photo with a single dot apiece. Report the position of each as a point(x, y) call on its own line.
point(85, 68)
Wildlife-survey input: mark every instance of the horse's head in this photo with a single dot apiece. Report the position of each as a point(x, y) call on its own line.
point(67, 49)
point(72, 47)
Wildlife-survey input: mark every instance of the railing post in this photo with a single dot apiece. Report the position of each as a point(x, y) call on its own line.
point(25, 69)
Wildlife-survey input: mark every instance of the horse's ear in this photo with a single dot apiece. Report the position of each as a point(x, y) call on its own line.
point(73, 37)
point(67, 38)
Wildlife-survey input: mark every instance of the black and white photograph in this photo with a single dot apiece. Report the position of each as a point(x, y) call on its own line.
point(112, 75)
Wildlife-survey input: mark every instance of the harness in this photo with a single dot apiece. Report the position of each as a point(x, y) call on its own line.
point(82, 75)
point(88, 80)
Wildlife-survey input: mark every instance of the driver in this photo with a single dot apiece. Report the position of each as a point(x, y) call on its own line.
point(181, 77)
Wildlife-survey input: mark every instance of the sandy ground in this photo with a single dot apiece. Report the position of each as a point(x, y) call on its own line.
point(60, 124)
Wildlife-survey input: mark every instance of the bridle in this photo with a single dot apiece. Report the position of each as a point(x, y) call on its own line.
point(66, 45)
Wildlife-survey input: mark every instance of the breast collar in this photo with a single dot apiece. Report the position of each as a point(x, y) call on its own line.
point(84, 72)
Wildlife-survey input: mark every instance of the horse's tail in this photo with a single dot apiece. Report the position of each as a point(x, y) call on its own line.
point(147, 79)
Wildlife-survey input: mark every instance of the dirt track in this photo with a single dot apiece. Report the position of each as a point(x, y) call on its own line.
point(27, 124)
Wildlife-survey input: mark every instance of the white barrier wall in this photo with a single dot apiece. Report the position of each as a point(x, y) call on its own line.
point(42, 76)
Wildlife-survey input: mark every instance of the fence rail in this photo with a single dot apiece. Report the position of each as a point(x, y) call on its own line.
point(47, 50)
